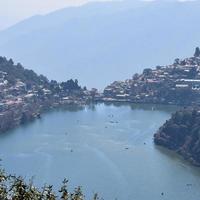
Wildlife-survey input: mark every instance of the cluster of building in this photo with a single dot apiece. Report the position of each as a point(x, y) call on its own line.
point(178, 84)
point(20, 103)
point(24, 95)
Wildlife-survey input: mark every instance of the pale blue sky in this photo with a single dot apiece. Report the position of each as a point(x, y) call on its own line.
point(13, 11)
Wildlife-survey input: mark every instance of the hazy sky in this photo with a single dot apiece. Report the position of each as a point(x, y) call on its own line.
point(12, 11)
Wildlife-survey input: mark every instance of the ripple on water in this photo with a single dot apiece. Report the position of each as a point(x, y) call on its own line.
point(112, 155)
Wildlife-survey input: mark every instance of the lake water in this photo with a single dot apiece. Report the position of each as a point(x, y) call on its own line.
point(104, 148)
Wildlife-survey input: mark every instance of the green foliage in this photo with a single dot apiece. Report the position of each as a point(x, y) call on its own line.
point(70, 85)
point(182, 134)
point(30, 78)
point(197, 52)
point(147, 72)
point(15, 188)
point(15, 72)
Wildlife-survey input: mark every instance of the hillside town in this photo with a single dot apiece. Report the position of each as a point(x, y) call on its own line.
point(177, 84)
point(24, 95)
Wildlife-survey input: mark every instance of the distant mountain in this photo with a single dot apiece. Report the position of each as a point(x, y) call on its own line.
point(101, 42)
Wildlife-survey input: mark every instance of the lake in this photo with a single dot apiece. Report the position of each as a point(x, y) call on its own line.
point(107, 149)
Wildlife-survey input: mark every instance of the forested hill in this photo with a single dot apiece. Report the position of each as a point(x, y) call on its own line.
point(182, 134)
point(24, 95)
point(92, 41)
point(13, 73)
point(16, 72)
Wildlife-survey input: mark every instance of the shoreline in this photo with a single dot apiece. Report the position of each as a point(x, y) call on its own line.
point(81, 105)
point(181, 134)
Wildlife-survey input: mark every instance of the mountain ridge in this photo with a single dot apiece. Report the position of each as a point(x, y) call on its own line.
point(123, 41)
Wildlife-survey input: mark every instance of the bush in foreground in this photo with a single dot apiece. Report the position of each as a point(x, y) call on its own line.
point(15, 188)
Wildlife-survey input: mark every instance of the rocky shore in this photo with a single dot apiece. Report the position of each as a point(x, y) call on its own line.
point(181, 134)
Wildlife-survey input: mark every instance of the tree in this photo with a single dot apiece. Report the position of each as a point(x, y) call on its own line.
point(177, 61)
point(70, 85)
point(15, 188)
point(147, 72)
point(197, 52)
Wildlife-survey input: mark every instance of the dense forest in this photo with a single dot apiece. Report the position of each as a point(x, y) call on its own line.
point(15, 72)
point(181, 133)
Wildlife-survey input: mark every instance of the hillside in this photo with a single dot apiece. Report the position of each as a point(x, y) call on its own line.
point(121, 36)
point(174, 84)
point(18, 72)
point(181, 134)
point(24, 95)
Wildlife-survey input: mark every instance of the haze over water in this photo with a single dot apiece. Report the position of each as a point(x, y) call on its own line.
point(106, 149)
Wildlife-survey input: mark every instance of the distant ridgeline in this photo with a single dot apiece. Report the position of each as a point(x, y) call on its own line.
point(24, 94)
point(177, 84)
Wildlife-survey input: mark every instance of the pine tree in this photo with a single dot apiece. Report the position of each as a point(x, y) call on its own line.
point(197, 52)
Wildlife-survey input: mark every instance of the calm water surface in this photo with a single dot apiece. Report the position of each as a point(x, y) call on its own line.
point(104, 148)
